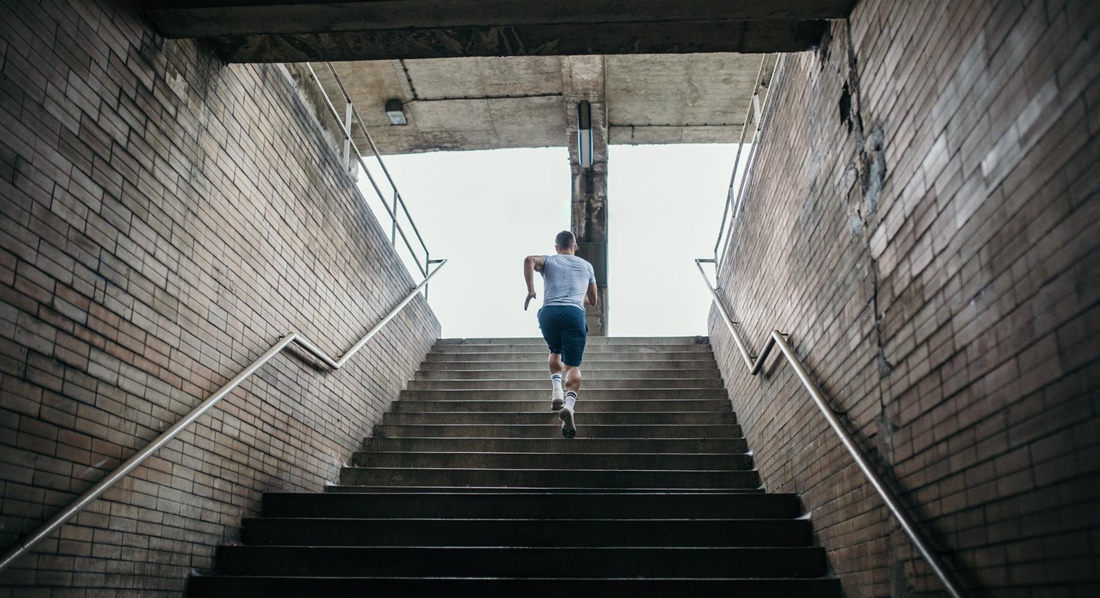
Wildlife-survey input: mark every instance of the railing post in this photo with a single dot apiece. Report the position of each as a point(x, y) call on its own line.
point(352, 152)
point(347, 134)
point(393, 230)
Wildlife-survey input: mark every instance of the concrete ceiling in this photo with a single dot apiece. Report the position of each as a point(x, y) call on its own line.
point(480, 74)
point(521, 102)
point(344, 30)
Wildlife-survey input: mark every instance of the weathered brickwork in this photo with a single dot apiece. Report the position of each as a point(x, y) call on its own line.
point(165, 219)
point(924, 221)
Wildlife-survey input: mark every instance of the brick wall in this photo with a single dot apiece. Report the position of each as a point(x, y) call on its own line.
point(924, 221)
point(165, 219)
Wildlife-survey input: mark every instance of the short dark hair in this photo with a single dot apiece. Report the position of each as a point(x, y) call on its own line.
point(565, 240)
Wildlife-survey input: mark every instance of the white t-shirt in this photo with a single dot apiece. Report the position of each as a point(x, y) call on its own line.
point(565, 279)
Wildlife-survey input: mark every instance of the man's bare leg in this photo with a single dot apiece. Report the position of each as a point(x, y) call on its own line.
point(572, 378)
point(572, 385)
point(557, 395)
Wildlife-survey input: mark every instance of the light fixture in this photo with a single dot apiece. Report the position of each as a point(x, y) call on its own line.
point(584, 134)
point(395, 110)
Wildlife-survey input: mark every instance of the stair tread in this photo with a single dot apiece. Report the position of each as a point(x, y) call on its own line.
point(376, 452)
point(534, 578)
point(339, 488)
point(551, 518)
point(461, 485)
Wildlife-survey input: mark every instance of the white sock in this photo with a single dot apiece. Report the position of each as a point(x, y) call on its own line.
point(570, 399)
point(555, 381)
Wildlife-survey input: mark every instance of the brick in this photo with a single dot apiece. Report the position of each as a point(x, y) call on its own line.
point(129, 198)
point(987, 325)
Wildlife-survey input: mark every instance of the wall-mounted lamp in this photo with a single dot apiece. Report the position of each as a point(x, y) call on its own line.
point(395, 110)
point(584, 133)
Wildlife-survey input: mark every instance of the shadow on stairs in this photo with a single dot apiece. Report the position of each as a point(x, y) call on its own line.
point(468, 486)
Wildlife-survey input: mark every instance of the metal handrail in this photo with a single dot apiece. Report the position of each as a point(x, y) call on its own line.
point(137, 458)
point(779, 339)
point(737, 157)
point(753, 151)
point(397, 229)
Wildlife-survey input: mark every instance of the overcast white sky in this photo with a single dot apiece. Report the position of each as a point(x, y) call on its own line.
point(486, 210)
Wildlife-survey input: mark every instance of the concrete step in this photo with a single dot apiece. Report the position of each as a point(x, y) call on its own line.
point(592, 340)
point(563, 531)
point(590, 374)
point(602, 359)
point(512, 504)
point(543, 405)
point(556, 446)
point(482, 460)
point(548, 478)
point(467, 486)
point(546, 416)
point(588, 385)
point(511, 561)
point(552, 429)
point(561, 490)
point(531, 394)
point(589, 349)
point(537, 367)
point(541, 587)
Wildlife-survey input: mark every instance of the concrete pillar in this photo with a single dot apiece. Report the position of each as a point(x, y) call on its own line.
point(590, 226)
point(583, 80)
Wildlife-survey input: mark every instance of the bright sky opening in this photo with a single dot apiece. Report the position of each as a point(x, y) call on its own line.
point(486, 210)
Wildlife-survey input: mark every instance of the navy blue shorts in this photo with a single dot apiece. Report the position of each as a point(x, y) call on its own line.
point(565, 331)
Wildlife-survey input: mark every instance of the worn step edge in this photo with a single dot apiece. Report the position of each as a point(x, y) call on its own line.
point(556, 490)
point(720, 405)
point(552, 430)
point(606, 418)
point(806, 562)
point(606, 340)
point(488, 460)
point(582, 478)
point(201, 586)
point(551, 532)
point(556, 446)
point(361, 502)
point(535, 394)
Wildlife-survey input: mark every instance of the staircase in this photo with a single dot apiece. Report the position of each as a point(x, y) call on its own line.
point(468, 485)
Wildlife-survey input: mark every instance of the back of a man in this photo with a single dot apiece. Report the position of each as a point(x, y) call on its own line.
point(569, 283)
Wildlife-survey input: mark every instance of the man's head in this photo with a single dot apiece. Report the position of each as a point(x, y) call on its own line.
point(565, 242)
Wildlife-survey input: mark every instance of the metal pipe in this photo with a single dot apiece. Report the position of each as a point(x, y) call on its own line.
point(737, 158)
point(888, 497)
point(737, 340)
point(780, 63)
point(139, 457)
point(386, 171)
point(907, 524)
point(347, 134)
point(392, 213)
point(386, 320)
point(377, 155)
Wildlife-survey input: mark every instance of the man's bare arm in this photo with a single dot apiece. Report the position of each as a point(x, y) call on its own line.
point(591, 296)
point(531, 263)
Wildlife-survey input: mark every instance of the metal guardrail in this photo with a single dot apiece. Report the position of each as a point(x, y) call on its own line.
point(755, 364)
point(138, 458)
point(758, 110)
point(397, 203)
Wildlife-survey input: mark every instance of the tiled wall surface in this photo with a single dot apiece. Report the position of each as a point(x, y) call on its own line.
point(924, 221)
point(164, 219)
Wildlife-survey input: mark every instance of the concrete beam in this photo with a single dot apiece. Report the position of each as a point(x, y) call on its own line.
point(296, 31)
